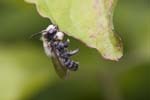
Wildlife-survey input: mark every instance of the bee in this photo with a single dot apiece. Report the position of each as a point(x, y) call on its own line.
point(57, 50)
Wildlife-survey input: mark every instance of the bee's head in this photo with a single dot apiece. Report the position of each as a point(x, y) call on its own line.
point(52, 29)
point(50, 32)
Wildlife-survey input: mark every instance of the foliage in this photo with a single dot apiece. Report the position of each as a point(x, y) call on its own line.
point(87, 20)
point(26, 73)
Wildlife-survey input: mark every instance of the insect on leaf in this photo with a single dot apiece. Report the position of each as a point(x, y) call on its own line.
point(87, 20)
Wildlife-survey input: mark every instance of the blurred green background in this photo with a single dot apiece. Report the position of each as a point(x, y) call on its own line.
point(26, 73)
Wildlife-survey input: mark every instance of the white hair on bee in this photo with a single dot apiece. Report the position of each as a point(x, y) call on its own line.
point(59, 35)
point(50, 27)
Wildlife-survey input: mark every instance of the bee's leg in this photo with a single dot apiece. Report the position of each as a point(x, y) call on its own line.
point(66, 43)
point(71, 53)
point(64, 55)
point(62, 45)
point(67, 54)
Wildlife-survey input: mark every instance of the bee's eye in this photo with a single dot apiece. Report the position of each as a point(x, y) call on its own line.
point(49, 36)
point(52, 31)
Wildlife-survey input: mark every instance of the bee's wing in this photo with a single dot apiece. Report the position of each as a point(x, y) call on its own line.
point(59, 66)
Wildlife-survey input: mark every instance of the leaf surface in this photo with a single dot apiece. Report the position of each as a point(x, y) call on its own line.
point(87, 20)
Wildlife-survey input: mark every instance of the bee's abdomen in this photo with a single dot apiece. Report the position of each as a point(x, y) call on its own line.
point(71, 65)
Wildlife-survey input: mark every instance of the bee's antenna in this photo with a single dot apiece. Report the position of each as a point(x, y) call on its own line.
point(35, 34)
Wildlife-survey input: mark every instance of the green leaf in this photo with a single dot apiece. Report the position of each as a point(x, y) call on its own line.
point(87, 20)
